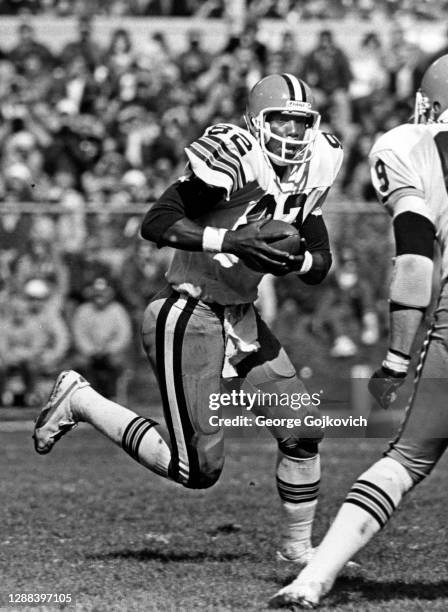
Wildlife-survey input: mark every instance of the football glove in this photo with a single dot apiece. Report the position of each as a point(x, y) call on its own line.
point(383, 385)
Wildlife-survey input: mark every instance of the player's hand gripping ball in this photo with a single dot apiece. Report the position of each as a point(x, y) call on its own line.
point(291, 244)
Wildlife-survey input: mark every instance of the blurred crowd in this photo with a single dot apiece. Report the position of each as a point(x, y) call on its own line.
point(284, 9)
point(91, 135)
point(105, 125)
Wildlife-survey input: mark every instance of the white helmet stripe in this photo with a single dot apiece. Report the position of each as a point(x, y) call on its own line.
point(296, 89)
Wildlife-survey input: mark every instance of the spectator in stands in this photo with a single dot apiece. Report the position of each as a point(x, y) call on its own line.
point(23, 144)
point(142, 276)
point(76, 144)
point(289, 57)
point(84, 267)
point(14, 232)
point(402, 60)
point(327, 71)
point(80, 87)
point(27, 46)
point(248, 40)
point(348, 307)
point(20, 342)
point(369, 71)
point(119, 57)
point(71, 225)
point(54, 336)
point(84, 46)
point(42, 260)
point(155, 53)
point(102, 336)
point(194, 60)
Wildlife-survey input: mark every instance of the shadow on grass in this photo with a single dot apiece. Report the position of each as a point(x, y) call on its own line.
point(146, 554)
point(350, 590)
point(373, 590)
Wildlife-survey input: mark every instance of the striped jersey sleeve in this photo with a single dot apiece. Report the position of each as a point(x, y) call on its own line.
point(223, 157)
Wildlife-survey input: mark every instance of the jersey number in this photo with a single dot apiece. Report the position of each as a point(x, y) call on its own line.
point(267, 204)
point(241, 142)
point(381, 173)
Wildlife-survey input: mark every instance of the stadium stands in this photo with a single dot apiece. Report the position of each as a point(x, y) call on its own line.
point(92, 132)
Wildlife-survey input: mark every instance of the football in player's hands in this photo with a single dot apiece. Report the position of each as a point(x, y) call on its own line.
point(255, 244)
point(291, 243)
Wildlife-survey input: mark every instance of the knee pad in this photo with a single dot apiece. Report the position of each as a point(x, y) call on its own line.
point(390, 476)
point(409, 458)
point(299, 448)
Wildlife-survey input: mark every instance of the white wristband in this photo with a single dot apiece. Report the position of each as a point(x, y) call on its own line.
point(307, 263)
point(212, 239)
point(396, 363)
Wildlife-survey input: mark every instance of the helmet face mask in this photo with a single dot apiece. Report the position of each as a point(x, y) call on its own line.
point(289, 96)
point(422, 109)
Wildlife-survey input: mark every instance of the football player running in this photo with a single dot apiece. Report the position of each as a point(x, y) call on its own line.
point(409, 166)
point(204, 327)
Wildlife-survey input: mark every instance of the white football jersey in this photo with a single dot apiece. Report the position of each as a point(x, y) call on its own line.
point(229, 157)
point(412, 159)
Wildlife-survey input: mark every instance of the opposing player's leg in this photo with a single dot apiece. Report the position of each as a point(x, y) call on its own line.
point(376, 494)
point(184, 342)
point(270, 371)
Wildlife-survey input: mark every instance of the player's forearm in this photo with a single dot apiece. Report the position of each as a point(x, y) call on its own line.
point(404, 324)
point(189, 236)
point(411, 285)
point(183, 234)
point(314, 231)
point(170, 222)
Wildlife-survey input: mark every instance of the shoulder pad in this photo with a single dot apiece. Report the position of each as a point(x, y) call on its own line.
point(399, 139)
point(225, 156)
point(332, 140)
point(330, 154)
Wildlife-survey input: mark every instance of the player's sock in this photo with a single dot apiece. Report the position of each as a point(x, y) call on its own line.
point(368, 506)
point(137, 435)
point(298, 487)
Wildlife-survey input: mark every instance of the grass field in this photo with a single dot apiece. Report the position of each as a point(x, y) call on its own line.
point(87, 520)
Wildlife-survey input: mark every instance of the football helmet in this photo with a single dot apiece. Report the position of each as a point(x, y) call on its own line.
point(287, 94)
point(431, 99)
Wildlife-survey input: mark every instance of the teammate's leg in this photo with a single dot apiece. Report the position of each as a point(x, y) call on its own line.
point(185, 343)
point(298, 466)
point(377, 493)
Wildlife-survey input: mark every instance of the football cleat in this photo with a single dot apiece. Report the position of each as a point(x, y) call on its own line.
point(56, 418)
point(301, 594)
